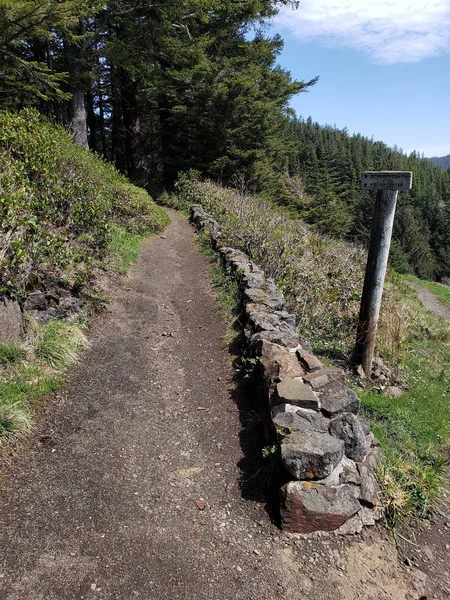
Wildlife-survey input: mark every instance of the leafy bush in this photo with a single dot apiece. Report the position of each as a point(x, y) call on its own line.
point(57, 204)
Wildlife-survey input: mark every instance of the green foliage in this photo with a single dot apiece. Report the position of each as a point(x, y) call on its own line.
point(321, 277)
point(11, 353)
point(414, 429)
point(57, 205)
point(31, 370)
point(57, 343)
point(30, 35)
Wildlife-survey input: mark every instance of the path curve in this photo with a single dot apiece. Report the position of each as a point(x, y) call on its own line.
point(134, 491)
point(431, 301)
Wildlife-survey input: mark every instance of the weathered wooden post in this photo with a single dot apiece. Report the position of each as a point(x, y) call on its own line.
point(387, 184)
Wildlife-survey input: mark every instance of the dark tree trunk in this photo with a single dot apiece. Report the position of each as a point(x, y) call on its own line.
point(169, 169)
point(136, 159)
point(91, 121)
point(78, 108)
point(101, 115)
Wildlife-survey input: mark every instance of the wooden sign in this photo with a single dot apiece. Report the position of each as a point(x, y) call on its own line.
point(386, 180)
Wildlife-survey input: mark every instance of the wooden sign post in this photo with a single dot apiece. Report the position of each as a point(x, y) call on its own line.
point(387, 184)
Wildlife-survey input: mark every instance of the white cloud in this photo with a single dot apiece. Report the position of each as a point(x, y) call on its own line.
point(389, 31)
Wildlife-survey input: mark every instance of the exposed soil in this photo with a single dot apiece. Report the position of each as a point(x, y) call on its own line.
point(431, 301)
point(134, 486)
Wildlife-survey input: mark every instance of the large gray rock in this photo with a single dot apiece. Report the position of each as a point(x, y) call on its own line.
point(300, 420)
point(324, 378)
point(274, 300)
point(338, 475)
point(11, 324)
point(350, 473)
point(275, 337)
point(308, 507)
point(338, 400)
point(347, 427)
point(369, 490)
point(292, 390)
point(277, 363)
point(262, 318)
point(311, 362)
point(310, 454)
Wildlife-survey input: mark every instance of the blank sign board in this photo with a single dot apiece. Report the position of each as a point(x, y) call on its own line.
point(386, 180)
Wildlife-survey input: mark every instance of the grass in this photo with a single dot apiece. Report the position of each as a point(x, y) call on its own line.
point(438, 289)
point(123, 249)
point(33, 370)
point(414, 430)
point(224, 286)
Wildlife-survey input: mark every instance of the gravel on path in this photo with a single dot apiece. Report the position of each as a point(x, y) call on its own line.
point(136, 494)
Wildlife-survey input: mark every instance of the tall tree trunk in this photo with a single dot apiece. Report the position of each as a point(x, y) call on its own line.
point(78, 108)
point(169, 169)
point(102, 121)
point(137, 162)
point(91, 121)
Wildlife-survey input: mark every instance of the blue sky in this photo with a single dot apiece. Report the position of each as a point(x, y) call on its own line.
point(384, 68)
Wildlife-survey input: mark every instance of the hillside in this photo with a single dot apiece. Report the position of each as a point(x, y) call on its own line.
point(441, 161)
point(328, 163)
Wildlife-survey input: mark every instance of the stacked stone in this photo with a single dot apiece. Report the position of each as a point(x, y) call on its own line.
point(325, 448)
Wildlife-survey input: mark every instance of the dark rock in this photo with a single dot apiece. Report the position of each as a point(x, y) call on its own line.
point(253, 280)
point(349, 473)
point(309, 360)
point(273, 300)
point(322, 379)
point(338, 400)
point(305, 344)
point(276, 337)
point(277, 363)
point(292, 390)
point(36, 301)
point(369, 489)
point(311, 455)
point(365, 425)
point(347, 427)
point(308, 507)
point(300, 420)
point(261, 318)
point(11, 324)
point(374, 458)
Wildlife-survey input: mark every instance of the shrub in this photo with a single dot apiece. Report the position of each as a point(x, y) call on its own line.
point(57, 204)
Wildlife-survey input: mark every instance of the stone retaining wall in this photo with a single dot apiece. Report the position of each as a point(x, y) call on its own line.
point(327, 450)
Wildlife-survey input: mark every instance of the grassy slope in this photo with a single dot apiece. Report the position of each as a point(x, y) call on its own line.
point(63, 214)
point(322, 280)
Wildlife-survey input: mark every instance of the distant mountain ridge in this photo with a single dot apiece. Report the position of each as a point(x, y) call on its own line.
point(441, 161)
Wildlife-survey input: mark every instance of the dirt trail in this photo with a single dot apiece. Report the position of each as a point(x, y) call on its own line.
point(431, 301)
point(136, 493)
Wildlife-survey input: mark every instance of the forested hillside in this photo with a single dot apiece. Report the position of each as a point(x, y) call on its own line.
point(154, 87)
point(441, 161)
point(330, 162)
